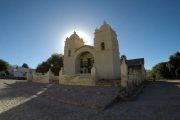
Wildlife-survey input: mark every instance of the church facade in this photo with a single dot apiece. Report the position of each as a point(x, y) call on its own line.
point(85, 64)
point(102, 59)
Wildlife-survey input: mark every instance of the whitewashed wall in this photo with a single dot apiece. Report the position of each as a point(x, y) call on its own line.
point(42, 78)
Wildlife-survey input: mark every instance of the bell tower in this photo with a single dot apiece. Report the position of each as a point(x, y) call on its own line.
point(71, 44)
point(106, 48)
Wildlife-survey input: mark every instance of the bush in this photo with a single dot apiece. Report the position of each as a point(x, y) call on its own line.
point(167, 70)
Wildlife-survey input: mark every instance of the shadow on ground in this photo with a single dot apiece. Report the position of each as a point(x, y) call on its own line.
point(159, 100)
point(14, 89)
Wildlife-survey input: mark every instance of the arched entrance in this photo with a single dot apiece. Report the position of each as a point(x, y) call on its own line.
point(84, 63)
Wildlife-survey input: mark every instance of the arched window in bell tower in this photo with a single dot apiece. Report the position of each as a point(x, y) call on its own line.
point(102, 46)
point(69, 52)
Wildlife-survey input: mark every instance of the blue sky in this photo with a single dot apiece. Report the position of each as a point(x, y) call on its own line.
point(32, 30)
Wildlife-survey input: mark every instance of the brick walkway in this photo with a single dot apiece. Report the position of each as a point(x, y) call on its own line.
point(20, 100)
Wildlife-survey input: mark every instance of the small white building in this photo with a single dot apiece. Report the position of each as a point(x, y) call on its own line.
point(17, 71)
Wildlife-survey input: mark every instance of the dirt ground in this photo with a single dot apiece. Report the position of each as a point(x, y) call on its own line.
point(20, 100)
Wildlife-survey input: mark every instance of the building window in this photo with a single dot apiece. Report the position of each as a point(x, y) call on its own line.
point(89, 61)
point(102, 46)
point(69, 52)
point(81, 63)
point(85, 63)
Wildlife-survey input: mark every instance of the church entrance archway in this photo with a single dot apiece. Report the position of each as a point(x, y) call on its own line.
point(84, 63)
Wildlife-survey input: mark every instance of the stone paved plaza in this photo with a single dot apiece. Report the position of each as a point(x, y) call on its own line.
point(20, 100)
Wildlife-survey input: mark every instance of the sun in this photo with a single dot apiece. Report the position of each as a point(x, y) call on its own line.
point(82, 34)
point(86, 38)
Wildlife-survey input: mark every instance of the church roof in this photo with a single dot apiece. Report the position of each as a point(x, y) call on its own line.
point(105, 26)
point(138, 61)
point(74, 35)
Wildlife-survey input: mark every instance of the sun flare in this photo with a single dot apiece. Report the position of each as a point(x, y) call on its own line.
point(86, 38)
point(84, 35)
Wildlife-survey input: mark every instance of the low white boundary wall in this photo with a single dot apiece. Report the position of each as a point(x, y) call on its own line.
point(41, 77)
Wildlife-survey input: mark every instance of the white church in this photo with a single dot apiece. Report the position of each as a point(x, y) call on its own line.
point(85, 64)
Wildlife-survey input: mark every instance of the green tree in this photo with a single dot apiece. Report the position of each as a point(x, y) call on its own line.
point(43, 67)
point(55, 62)
point(123, 56)
point(25, 65)
point(167, 70)
point(161, 71)
point(3, 65)
point(174, 65)
point(174, 60)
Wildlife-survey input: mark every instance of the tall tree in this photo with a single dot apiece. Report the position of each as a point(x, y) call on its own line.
point(24, 65)
point(55, 62)
point(3, 65)
point(174, 61)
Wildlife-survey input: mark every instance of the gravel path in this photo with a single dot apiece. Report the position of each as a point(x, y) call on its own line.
point(20, 100)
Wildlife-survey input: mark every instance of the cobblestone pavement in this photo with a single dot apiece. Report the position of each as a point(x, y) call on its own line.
point(20, 100)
